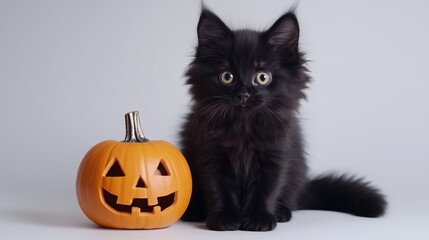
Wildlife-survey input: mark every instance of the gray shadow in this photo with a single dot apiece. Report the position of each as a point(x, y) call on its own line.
point(45, 217)
point(54, 210)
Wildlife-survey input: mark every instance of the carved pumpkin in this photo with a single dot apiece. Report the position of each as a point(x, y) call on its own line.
point(134, 184)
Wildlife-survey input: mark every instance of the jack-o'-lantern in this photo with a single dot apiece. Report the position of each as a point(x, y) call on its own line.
point(134, 184)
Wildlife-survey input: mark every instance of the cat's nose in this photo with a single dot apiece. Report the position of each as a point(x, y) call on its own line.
point(243, 96)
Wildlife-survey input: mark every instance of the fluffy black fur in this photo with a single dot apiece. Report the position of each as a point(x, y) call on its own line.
point(243, 140)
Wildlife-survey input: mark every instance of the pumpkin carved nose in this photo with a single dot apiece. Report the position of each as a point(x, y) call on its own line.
point(140, 184)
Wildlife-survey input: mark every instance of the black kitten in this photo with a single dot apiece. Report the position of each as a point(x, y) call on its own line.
point(243, 140)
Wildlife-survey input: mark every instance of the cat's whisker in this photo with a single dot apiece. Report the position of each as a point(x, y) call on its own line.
point(210, 115)
point(208, 120)
point(282, 121)
point(201, 113)
point(202, 101)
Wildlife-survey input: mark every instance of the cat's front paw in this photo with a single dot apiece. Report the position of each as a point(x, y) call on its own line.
point(223, 222)
point(283, 214)
point(259, 222)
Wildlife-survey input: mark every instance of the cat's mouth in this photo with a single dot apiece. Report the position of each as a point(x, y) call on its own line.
point(242, 111)
point(241, 106)
point(248, 105)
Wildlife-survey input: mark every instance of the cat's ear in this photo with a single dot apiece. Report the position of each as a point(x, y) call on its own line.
point(211, 29)
point(284, 33)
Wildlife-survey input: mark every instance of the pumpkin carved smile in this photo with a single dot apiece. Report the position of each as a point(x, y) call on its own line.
point(139, 204)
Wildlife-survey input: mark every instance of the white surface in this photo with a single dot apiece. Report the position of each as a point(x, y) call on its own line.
point(69, 70)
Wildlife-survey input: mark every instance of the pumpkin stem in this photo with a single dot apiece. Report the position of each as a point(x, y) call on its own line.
point(133, 129)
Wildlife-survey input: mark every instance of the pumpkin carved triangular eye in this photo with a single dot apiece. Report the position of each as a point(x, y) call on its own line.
point(162, 169)
point(115, 170)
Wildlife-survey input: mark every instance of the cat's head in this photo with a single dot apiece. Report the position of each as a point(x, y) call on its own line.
point(244, 71)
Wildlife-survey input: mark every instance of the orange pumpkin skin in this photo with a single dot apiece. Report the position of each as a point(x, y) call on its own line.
point(134, 185)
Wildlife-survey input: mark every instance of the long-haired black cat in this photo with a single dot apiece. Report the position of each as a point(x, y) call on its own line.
point(242, 138)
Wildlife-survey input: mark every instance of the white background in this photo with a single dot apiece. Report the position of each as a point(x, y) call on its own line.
point(70, 70)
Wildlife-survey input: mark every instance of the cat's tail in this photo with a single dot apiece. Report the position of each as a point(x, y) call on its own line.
point(342, 193)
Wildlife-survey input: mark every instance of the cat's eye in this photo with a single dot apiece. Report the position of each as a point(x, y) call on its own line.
point(263, 78)
point(226, 77)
